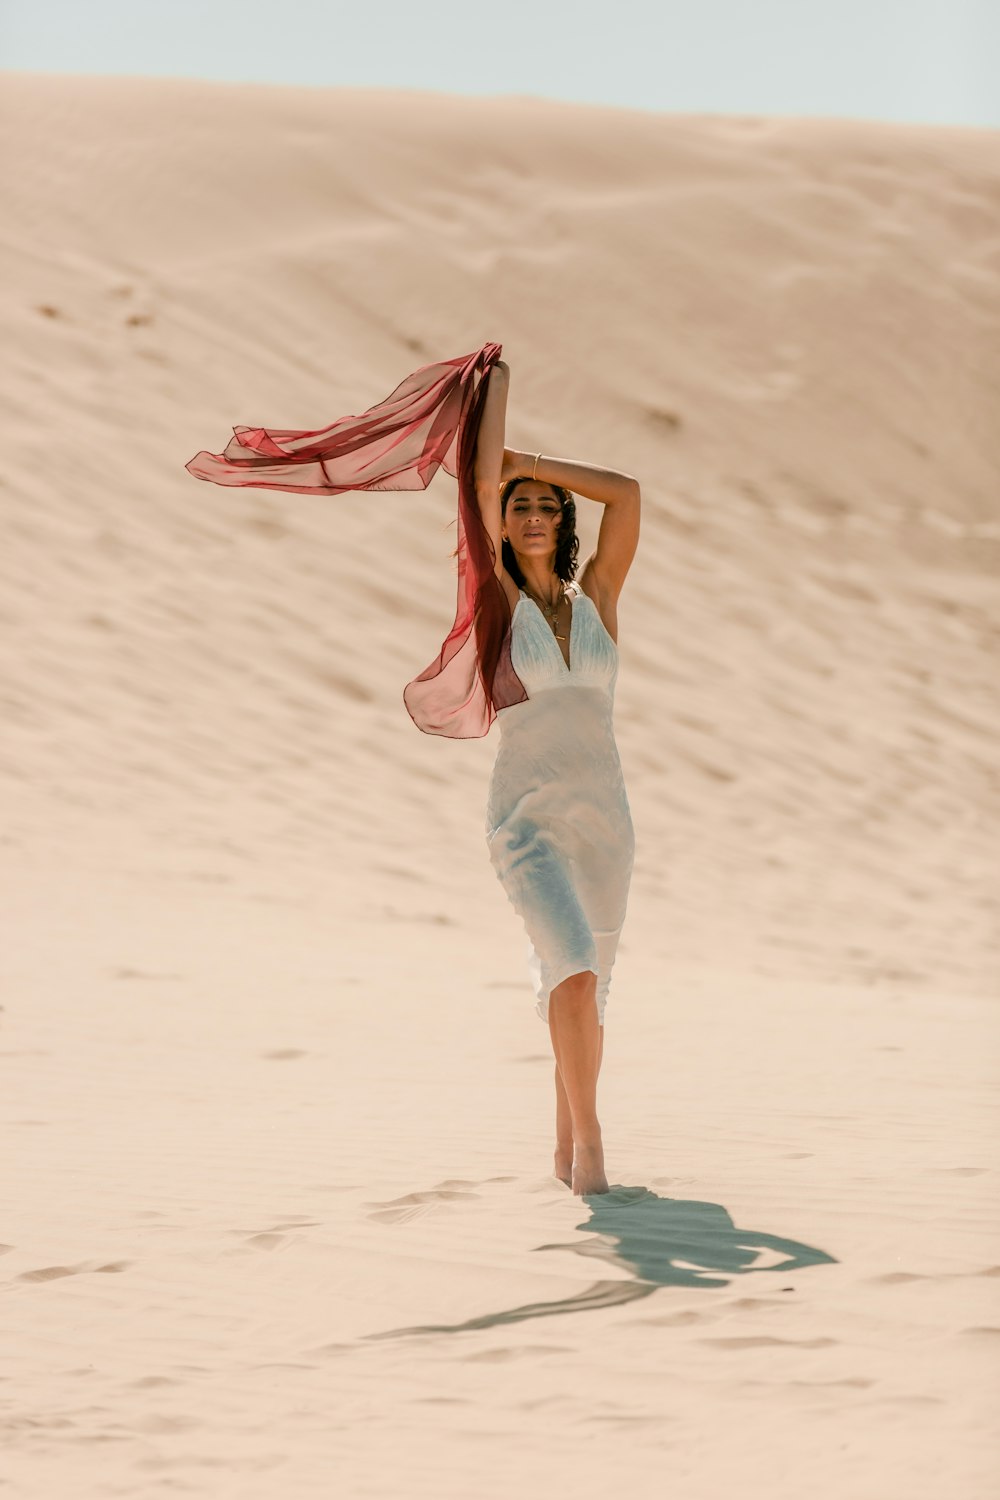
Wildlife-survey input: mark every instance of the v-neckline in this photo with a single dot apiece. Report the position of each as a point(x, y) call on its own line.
point(567, 665)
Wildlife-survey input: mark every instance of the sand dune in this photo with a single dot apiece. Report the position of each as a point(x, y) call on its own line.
point(277, 1104)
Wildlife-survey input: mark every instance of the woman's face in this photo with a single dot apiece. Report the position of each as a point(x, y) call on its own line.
point(532, 518)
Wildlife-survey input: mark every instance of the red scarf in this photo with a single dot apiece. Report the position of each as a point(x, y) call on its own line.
point(429, 421)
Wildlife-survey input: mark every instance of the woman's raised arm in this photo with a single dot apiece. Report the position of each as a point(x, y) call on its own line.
point(490, 456)
point(609, 486)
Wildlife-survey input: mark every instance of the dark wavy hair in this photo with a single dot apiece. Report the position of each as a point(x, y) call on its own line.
point(567, 541)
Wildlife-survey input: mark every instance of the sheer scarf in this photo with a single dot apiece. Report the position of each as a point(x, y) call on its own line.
point(430, 421)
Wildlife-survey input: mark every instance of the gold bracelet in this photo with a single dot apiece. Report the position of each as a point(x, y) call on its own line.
point(535, 464)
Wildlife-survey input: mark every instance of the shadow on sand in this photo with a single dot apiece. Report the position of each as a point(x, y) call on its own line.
point(662, 1242)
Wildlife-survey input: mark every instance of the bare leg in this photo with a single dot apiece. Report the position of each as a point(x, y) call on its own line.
point(563, 1166)
point(564, 1123)
point(576, 1042)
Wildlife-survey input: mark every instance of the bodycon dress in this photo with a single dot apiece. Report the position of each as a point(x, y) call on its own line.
point(558, 825)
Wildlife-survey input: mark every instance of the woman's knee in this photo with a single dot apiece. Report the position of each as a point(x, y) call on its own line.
point(576, 991)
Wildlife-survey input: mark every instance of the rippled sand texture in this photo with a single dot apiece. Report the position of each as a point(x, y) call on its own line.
point(277, 1113)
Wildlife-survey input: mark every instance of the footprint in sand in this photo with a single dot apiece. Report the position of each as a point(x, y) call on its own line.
point(130, 973)
point(266, 1241)
point(270, 1239)
point(54, 1273)
point(767, 1341)
point(896, 1278)
point(415, 1205)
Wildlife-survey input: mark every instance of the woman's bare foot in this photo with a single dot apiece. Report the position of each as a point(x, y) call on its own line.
point(588, 1168)
point(564, 1163)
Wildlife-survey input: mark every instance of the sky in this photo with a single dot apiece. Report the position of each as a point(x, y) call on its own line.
point(921, 61)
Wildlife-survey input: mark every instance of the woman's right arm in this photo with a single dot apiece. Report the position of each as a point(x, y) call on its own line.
point(490, 456)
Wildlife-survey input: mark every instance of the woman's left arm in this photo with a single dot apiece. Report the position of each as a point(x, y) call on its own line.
point(621, 496)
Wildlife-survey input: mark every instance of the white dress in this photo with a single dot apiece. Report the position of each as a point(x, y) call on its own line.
point(558, 824)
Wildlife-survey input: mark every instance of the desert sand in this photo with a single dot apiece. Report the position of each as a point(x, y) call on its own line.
point(278, 1212)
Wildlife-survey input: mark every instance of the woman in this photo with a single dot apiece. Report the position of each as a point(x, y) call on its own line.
point(558, 825)
point(522, 649)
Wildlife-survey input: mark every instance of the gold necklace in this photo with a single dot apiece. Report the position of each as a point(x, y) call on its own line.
point(551, 611)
